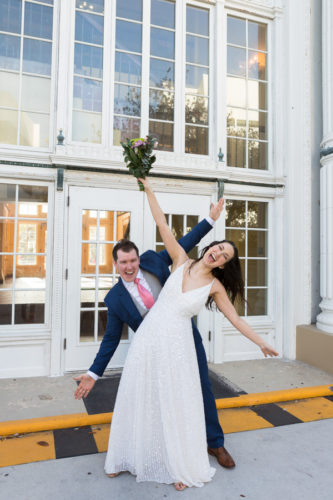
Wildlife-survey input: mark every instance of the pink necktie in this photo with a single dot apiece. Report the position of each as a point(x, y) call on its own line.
point(145, 295)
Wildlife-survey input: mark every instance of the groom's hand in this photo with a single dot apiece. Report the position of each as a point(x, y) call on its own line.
point(215, 210)
point(85, 386)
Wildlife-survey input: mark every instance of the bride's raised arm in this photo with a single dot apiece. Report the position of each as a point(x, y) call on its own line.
point(176, 252)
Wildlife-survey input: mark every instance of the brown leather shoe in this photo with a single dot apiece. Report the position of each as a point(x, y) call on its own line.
point(223, 457)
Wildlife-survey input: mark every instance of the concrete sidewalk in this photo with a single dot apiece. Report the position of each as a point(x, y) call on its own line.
point(292, 462)
point(25, 398)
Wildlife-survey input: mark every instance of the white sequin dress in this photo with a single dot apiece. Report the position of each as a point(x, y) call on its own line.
point(158, 427)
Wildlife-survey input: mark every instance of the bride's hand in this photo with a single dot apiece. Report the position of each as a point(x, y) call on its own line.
point(145, 183)
point(268, 350)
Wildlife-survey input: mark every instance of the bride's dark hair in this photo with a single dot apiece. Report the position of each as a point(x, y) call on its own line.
point(230, 276)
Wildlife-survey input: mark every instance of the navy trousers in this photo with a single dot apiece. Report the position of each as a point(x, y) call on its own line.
point(215, 436)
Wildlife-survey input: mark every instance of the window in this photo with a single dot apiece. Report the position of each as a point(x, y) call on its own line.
point(196, 87)
point(246, 226)
point(88, 71)
point(180, 225)
point(23, 253)
point(247, 145)
point(25, 71)
point(101, 229)
point(128, 55)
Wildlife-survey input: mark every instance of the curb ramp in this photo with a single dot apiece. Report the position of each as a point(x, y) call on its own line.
point(33, 440)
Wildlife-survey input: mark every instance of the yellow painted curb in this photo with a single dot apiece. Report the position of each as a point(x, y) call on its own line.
point(261, 398)
point(82, 419)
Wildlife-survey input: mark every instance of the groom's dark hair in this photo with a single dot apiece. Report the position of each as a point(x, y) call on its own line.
point(125, 246)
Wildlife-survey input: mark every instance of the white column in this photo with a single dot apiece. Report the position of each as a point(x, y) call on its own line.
point(325, 318)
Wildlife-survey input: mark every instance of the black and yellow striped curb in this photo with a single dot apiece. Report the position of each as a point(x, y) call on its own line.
point(83, 438)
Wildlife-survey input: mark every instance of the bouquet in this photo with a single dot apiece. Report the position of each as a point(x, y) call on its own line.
point(138, 156)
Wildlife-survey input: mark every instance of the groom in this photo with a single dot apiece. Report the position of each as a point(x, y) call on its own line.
point(141, 280)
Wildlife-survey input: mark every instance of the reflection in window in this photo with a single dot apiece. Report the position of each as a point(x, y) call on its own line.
point(101, 229)
point(128, 55)
point(246, 225)
point(23, 210)
point(247, 132)
point(88, 72)
point(197, 83)
point(25, 93)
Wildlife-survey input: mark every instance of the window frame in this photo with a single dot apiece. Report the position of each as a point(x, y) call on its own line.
point(25, 330)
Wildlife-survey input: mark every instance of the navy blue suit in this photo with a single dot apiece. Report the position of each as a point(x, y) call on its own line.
point(122, 310)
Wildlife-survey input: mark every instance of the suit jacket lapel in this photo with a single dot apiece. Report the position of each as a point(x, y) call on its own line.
point(128, 303)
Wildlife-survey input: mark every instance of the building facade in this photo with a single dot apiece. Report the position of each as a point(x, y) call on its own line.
point(231, 89)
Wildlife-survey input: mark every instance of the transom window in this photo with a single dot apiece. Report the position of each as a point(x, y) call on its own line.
point(247, 227)
point(25, 71)
point(23, 253)
point(247, 117)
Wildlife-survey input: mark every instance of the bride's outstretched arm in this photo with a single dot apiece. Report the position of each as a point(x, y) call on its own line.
point(173, 248)
point(225, 306)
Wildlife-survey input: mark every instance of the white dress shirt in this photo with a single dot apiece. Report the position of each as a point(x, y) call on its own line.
point(132, 289)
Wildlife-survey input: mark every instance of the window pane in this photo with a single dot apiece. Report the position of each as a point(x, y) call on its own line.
point(257, 214)
point(236, 61)
point(9, 89)
point(197, 79)
point(38, 20)
point(7, 200)
point(10, 15)
point(257, 273)
point(236, 92)
point(197, 50)
point(257, 65)
point(257, 125)
point(257, 94)
point(127, 100)
point(87, 293)
point(177, 226)
point(236, 152)
point(36, 93)
point(87, 127)
point(33, 194)
point(88, 60)
point(89, 28)
point(10, 52)
point(6, 268)
point(129, 9)
point(88, 258)
point(5, 308)
point(123, 225)
point(257, 302)
point(235, 213)
point(91, 6)
point(236, 122)
point(34, 130)
point(238, 237)
point(161, 74)
point(128, 36)
point(257, 35)
point(192, 220)
point(37, 56)
point(197, 21)
point(196, 140)
point(196, 110)
point(87, 321)
point(124, 128)
point(102, 320)
point(27, 238)
point(257, 155)
point(163, 133)
point(87, 94)
point(8, 126)
point(162, 13)
point(128, 68)
point(29, 307)
point(161, 104)
point(236, 31)
point(257, 243)
point(7, 227)
point(105, 258)
point(162, 43)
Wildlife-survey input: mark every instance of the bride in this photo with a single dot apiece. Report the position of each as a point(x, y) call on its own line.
point(158, 426)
